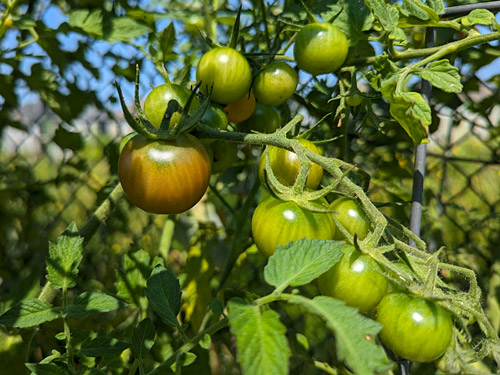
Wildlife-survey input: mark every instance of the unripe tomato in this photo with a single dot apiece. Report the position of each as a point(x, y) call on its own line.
point(229, 73)
point(275, 83)
point(356, 279)
point(320, 48)
point(414, 328)
point(354, 100)
point(215, 117)
point(157, 100)
point(286, 165)
point(242, 109)
point(265, 119)
point(164, 177)
point(277, 222)
point(351, 216)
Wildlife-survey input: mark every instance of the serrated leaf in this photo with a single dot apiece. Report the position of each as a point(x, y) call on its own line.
point(353, 333)
point(443, 75)
point(206, 341)
point(298, 263)
point(410, 110)
point(416, 8)
point(437, 5)
point(167, 41)
point(164, 294)
point(64, 258)
point(46, 369)
point(103, 346)
point(383, 14)
point(260, 338)
point(30, 313)
point(186, 359)
point(89, 303)
point(131, 281)
point(479, 17)
point(143, 338)
point(353, 20)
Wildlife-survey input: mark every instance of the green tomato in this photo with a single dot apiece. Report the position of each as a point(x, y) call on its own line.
point(320, 48)
point(351, 216)
point(275, 83)
point(354, 100)
point(286, 165)
point(215, 117)
point(277, 222)
point(356, 279)
point(265, 119)
point(164, 177)
point(157, 100)
point(414, 328)
point(227, 71)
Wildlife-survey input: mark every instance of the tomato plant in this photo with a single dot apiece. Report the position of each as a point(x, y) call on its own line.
point(164, 177)
point(354, 100)
point(215, 116)
point(242, 109)
point(414, 328)
point(265, 119)
point(275, 83)
point(357, 280)
point(157, 100)
point(227, 72)
point(286, 165)
point(320, 48)
point(293, 221)
point(351, 216)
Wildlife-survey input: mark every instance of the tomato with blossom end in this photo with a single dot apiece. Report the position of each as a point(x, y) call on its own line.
point(320, 48)
point(413, 327)
point(225, 71)
point(157, 100)
point(164, 177)
point(286, 165)
point(275, 84)
point(277, 222)
point(351, 216)
point(357, 280)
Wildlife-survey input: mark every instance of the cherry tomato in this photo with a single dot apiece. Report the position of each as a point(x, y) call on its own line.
point(354, 100)
point(223, 155)
point(265, 119)
point(229, 73)
point(275, 83)
point(157, 100)
point(242, 109)
point(356, 279)
point(277, 222)
point(164, 177)
point(414, 328)
point(320, 48)
point(351, 216)
point(286, 165)
point(215, 117)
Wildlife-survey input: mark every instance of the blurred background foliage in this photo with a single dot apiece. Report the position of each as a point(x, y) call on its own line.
point(61, 126)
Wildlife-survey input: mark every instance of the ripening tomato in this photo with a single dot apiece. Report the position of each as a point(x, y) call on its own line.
point(275, 83)
point(320, 48)
point(286, 165)
point(413, 327)
point(227, 71)
point(157, 100)
point(277, 222)
point(357, 280)
point(265, 119)
point(351, 216)
point(354, 100)
point(242, 109)
point(164, 177)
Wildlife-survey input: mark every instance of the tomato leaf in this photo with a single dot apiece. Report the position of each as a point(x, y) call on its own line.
point(46, 369)
point(103, 346)
point(260, 339)
point(353, 333)
point(131, 280)
point(386, 15)
point(167, 40)
point(479, 17)
point(353, 20)
point(298, 263)
point(443, 75)
point(64, 258)
point(436, 5)
point(30, 313)
point(164, 293)
point(416, 8)
point(143, 338)
point(89, 303)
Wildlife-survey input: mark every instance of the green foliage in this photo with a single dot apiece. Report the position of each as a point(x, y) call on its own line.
point(30, 313)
